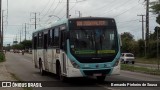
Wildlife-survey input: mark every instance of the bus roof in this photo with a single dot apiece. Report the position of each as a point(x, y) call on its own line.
point(90, 18)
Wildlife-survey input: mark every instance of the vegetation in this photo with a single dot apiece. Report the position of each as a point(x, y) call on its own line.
point(2, 57)
point(146, 60)
point(138, 47)
point(24, 45)
point(140, 69)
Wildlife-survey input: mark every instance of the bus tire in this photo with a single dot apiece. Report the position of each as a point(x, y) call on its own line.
point(42, 72)
point(132, 62)
point(59, 73)
point(101, 78)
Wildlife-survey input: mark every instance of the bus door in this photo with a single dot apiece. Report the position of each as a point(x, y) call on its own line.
point(64, 50)
point(50, 51)
point(45, 46)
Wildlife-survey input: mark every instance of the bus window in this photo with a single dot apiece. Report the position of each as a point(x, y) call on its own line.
point(45, 40)
point(56, 37)
point(35, 42)
point(40, 39)
point(63, 39)
point(49, 38)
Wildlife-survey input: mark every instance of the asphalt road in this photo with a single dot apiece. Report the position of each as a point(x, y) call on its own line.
point(22, 66)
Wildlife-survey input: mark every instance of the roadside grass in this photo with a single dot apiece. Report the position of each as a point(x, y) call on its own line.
point(140, 69)
point(2, 57)
point(18, 79)
point(147, 60)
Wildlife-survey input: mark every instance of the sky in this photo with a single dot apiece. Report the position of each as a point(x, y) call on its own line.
point(19, 12)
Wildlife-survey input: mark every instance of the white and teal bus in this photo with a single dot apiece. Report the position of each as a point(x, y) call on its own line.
point(78, 47)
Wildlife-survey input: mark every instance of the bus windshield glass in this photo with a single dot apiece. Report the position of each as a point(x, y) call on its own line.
point(98, 41)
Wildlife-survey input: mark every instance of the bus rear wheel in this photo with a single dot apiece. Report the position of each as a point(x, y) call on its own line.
point(42, 72)
point(101, 78)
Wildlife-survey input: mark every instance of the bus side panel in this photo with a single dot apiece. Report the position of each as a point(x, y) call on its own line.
point(40, 57)
point(34, 56)
point(54, 59)
point(45, 60)
point(63, 61)
point(50, 60)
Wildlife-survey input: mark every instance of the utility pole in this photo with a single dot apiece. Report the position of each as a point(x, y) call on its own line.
point(20, 36)
point(35, 19)
point(79, 13)
point(142, 25)
point(147, 25)
point(158, 48)
point(25, 31)
point(7, 12)
point(0, 25)
point(67, 14)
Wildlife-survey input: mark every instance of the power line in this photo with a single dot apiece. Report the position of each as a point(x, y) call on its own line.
point(61, 10)
point(45, 6)
point(47, 10)
point(116, 7)
point(129, 21)
point(70, 9)
point(104, 6)
point(53, 10)
point(56, 7)
point(126, 11)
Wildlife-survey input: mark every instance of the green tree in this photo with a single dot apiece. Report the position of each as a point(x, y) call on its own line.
point(18, 46)
point(128, 43)
point(127, 35)
point(27, 44)
point(141, 48)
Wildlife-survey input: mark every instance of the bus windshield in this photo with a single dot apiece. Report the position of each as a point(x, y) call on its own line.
point(93, 42)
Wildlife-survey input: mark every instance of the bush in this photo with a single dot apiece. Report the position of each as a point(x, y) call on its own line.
point(2, 57)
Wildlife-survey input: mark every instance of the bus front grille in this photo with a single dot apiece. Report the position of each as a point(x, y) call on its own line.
point(91, 72)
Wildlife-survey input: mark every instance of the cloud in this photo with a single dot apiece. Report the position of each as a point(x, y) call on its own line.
point(124, 11)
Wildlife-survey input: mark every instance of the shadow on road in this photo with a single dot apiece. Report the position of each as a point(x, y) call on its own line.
point(71, 82)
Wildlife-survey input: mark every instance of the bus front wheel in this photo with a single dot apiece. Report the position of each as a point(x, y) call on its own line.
point(101, 78)
point(59, 74)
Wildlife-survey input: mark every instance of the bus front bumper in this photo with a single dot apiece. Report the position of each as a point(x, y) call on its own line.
point(74, 72)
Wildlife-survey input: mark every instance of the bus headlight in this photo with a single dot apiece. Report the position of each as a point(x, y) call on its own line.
point(75, 65)
point(116, 63)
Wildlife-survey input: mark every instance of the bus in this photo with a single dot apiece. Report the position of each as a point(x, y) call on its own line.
point(78, 47)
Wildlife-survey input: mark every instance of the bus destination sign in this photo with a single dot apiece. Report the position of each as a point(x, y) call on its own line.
point(92, 23)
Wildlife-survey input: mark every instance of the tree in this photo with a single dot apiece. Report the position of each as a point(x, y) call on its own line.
point(128, 43)
point(27, 44)
point(141, 48)
point(127, 35)
point(18, 46)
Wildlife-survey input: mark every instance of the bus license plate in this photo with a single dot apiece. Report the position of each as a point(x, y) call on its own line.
point(98, 74)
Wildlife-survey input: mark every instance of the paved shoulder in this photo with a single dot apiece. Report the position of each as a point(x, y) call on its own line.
point(6, 76)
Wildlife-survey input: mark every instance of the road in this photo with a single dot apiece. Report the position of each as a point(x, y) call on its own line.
point(23, 68)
